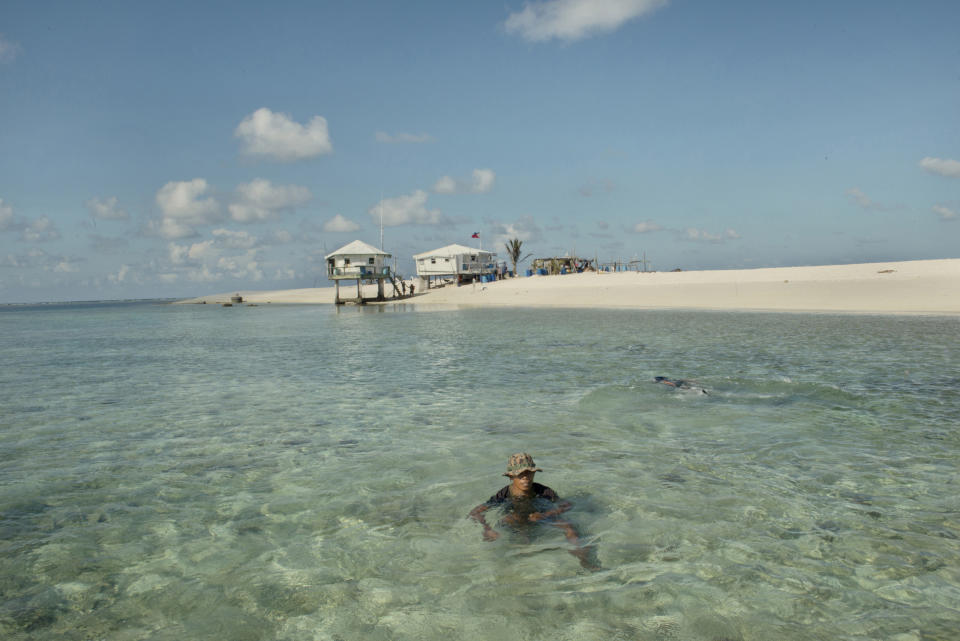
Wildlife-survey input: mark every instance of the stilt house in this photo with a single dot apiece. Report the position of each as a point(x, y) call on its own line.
point(455, 262)
point(360, 262)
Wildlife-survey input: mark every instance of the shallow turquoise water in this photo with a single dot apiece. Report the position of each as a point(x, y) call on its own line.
point(199, 472)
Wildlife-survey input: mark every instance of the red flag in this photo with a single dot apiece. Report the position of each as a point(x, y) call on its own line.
point(476, 234)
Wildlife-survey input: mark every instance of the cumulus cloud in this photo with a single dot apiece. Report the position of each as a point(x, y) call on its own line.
point(40, 230)
point(38, 259)
point(859, 198)
point(183, 207)
point(945, 212)
point(400, 138)
point(699, 235)
point(260, 200)
point(526, 229)
point(445, 185)
point(211, 260)
point(234, 239)
point(8, 50)
point(120, 276)
point(106, 209)
point(863, 201)
point(406, 210)
point(245, 266)
point(646, 227)
point(277, 136)
point(942, 166)
point(340, 224)
point(480, 182)
point(575, 19)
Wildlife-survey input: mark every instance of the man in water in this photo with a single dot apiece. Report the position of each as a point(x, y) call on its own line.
point(527, 502)
point(679, 384)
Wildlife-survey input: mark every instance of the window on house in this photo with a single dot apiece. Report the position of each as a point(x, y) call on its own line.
point(346, 261)
point(433, 261)
point(370, 260)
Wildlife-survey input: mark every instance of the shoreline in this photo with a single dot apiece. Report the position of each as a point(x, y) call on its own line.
point(923, 287)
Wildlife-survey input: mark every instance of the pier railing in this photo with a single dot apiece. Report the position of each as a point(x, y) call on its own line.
point(359, 271)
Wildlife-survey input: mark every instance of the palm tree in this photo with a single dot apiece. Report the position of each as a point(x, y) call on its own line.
point(513, 251)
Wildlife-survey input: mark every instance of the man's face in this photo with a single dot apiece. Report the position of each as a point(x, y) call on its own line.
point(523, 481)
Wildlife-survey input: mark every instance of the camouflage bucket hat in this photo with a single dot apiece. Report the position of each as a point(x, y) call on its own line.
point(521, 462)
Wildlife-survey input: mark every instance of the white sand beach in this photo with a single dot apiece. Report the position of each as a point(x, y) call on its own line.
point(906, 287)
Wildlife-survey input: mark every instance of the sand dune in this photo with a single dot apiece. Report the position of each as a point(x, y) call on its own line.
point(919, 287)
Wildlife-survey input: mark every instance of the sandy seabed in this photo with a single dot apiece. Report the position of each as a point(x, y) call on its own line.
point(906, 287)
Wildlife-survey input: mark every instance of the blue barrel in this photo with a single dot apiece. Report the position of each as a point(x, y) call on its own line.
point(529, 272)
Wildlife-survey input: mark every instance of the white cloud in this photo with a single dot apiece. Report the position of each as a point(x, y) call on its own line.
point(481, 182)
point(646, 227)
point(203, 275)
point(859, 198)
point(36, 258)
point(525, 229)
point(125, 274)
point(194, 254)
point(66, 266)
point(863, 201)
point(40, 230)
point(8, 50)
point(183, 207)
point(945, 212)
point(406, 210)
point(575, 19)
point(207, 262)
point(340, 224)
point(244, 266)
point(700, 235)
point(234, 239)
point(107, 209)
point(276, 135)
point(259, 200)
point(36, 231)
point(942, 166)
point(403, 138)
point(445, 185)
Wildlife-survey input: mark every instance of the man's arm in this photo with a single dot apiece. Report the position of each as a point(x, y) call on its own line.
point(561, 507)
point(489, 534)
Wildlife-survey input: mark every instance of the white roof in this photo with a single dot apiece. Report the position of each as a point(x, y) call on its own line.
point(358, 247)
point(452, 250)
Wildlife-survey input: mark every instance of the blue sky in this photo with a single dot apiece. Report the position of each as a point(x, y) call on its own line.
point(175, 149)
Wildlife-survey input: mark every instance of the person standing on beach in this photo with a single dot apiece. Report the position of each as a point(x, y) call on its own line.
point(520, 499)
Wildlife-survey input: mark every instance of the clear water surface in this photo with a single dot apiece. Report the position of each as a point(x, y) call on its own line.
point(199, 472)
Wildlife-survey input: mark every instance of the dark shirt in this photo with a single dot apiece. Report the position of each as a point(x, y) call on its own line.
point(539, 491)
